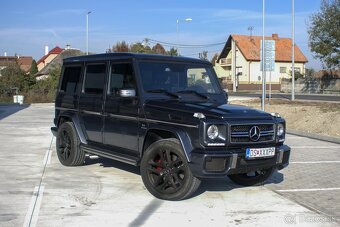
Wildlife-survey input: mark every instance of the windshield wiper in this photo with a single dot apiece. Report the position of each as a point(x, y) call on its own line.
point(164, 91)
point(194, 92)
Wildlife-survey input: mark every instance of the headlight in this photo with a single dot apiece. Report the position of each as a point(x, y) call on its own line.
point(280, 130)
point(212, 132)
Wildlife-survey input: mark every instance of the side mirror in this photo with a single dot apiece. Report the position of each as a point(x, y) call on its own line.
point(225, 91)
point(127, 92)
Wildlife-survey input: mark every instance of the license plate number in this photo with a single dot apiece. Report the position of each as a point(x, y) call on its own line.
point(260, 152)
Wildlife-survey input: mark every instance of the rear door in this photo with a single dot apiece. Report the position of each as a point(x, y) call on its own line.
point(91, 101)
point(121, 113)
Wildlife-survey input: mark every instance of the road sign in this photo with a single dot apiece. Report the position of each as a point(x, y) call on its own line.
point(269, 55)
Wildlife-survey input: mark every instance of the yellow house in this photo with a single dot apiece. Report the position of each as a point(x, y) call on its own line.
point(48, 57)
point(239, 62)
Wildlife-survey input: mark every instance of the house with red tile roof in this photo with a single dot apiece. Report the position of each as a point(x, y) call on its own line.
point(239, 62)
point(48, 57)
point(24, 62)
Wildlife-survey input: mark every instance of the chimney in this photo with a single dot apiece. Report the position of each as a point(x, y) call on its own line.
point(5, 54)
point(46, 50)
point(275, 36)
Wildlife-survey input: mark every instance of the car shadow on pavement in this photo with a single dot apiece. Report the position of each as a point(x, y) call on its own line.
point(9, 109)
point(211, 185)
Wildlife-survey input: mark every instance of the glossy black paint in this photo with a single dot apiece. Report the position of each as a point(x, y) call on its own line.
point(117, 127)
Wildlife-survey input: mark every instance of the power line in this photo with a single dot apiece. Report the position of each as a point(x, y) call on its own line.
point(185, 45)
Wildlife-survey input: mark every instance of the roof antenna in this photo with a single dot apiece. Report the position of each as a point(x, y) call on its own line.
point(250, 29)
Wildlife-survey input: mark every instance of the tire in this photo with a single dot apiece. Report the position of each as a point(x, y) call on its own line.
point(252, 178)
point(68, 151)
point(165, 171)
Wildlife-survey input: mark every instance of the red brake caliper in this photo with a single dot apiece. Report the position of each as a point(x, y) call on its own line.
point(158, 168)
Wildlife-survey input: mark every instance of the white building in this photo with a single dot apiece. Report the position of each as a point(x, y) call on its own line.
point(239, 61)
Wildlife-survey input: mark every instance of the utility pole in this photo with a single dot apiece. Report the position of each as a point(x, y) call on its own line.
point(87, 32)
point(293, 52)
point(263, 59)
point(177, 34)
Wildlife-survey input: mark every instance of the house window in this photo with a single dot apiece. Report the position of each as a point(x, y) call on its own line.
point(283, 69)
point(70, 79)
point(95, 79)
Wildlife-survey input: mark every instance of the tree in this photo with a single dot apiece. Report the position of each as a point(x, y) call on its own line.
point(158, 49)
point(203, 55)
point(140, 48)
point(34, 68)
point(214, 59)
point(173, 52)
point(324, 33)
point(120, 47)
point(12, 79)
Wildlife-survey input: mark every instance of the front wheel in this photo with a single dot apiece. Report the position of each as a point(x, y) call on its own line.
point(165, 171)
point(258, 177)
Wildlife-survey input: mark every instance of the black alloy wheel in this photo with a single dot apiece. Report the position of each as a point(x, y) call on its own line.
point(165, 171)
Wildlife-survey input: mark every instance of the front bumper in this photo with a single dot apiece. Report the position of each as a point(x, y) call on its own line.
point(216, 164)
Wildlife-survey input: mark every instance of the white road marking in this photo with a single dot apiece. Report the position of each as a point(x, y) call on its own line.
point(316, 147)
point(34, 207)
point(47, 157)
point(308, 189)
point(315, 162)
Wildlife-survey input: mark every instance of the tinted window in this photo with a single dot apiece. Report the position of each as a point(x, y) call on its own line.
point(121, 77)
point(95, 79)
point(70, 79)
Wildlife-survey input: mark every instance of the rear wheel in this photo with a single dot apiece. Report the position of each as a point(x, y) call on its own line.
point(258, 177)
point(165, 171)
point(67, 144)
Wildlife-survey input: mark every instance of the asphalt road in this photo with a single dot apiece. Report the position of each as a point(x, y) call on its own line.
point(36, 190)
point(311, 97)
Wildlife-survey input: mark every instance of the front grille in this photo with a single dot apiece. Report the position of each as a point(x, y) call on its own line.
point(240, 133)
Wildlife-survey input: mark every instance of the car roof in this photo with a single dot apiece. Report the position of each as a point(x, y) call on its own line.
point(126, 55)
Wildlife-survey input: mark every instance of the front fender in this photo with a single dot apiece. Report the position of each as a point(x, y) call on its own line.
point(180, 134)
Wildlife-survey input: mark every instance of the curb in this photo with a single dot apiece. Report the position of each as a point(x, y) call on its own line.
point(314, 136)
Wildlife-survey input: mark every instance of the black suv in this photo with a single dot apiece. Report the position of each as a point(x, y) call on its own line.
point(167, 115)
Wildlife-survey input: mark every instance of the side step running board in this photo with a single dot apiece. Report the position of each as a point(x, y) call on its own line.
point(118, 157)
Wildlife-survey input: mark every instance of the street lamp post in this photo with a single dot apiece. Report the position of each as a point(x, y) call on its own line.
point(293, 52)
point(87, 32)
point(177, 22)
point(263, 59)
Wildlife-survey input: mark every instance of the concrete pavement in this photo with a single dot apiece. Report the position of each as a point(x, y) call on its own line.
point(36, 190)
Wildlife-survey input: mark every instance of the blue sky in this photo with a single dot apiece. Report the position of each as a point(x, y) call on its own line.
point(27, 26)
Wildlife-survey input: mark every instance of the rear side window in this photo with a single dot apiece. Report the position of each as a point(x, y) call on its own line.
point(95, 79)
point(71, 79)
point(121, 77)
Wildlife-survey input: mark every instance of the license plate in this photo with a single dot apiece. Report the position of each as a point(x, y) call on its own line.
point(260, 152)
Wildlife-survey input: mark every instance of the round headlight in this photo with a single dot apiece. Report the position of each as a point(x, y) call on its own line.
point(280, 129)
point(212, 132)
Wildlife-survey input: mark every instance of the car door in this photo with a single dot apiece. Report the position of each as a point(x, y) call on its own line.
point(91, 101)
point(121, 113)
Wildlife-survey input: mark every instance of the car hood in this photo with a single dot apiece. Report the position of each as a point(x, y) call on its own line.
point(182, 109)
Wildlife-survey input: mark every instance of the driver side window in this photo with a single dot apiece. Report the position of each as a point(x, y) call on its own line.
point(121, 78)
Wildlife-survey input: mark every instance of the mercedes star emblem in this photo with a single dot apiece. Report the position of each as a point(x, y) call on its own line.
point(254, 133)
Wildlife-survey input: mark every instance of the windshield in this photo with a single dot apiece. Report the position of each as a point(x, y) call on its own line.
point(178, 77)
